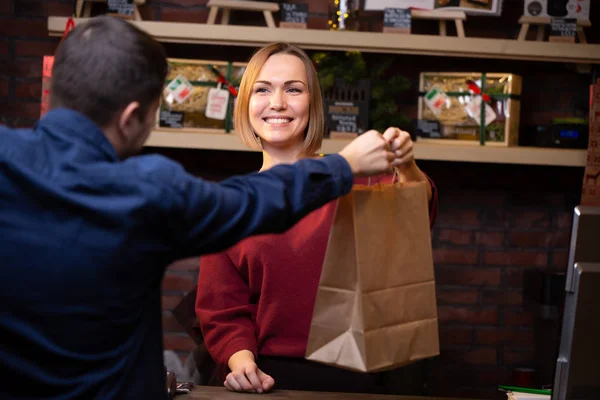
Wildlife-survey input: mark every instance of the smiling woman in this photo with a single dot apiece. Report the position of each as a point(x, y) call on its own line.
point(255, 300)
point(280, 108)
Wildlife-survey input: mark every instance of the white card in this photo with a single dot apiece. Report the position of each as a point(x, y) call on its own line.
point(216, 106)
point(179, 89)
point(436, 99)
point(474, 111)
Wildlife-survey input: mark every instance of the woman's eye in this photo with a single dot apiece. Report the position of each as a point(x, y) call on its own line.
point(260, 90)
point(294, 90)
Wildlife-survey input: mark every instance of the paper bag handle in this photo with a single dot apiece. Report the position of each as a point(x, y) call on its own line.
point(394, 177)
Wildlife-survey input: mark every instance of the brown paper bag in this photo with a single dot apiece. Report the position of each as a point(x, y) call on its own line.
point(376, 306)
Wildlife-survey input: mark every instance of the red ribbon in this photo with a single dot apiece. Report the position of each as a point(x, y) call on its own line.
point(70, 25)
point(473, 87)
point(221, 79)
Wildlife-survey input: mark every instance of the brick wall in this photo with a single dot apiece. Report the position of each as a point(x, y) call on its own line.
point(495, 221)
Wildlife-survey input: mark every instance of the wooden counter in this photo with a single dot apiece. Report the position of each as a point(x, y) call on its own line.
point(209, 393)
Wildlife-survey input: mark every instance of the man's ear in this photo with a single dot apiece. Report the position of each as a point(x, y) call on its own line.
point(129, 121)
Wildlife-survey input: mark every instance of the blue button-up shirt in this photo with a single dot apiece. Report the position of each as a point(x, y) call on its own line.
point(84, 242)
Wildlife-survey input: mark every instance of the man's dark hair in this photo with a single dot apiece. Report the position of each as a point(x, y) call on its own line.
point(105, 64)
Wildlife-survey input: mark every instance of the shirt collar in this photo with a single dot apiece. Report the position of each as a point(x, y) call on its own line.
point(76, 127)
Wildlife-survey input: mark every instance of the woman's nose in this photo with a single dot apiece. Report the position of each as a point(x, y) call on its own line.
point(277, 100)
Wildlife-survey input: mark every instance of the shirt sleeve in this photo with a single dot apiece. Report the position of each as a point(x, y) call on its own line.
point(224, 309)
point(207, 217)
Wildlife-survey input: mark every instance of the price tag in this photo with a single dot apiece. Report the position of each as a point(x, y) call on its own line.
point(436, 99)
point(474, 111)
point(179, 90)
point(216, 107)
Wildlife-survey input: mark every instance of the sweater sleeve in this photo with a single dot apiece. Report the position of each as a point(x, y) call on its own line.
point(224, 309)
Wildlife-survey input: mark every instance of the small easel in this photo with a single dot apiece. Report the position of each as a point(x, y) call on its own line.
point(86, 6)
point(457, 16)
point(228, 5)
point(541, 23)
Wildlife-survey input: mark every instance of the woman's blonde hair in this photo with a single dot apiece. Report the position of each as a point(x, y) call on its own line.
point(316, 120)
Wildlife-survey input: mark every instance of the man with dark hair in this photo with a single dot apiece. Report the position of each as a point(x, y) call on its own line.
point(86, 233)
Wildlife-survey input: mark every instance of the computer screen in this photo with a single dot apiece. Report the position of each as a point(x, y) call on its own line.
point(577, 374)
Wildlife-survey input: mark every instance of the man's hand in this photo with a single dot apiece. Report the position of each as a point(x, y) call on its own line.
point(372, 153)
point(245, 376)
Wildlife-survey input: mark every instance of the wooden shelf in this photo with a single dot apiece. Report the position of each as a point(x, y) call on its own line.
point(374, 42)
point(423, 151)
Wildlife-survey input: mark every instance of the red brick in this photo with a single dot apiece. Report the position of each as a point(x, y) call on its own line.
point(185, 3)
point(35, 48)
point(516, 258)
point(560, 259)
point(43, 8)
point(482, 356)
point(462, 218)
point(504, 336)
point(5, 7)
point(3, 87)
point(490, 377)
point(28, 89)
point(514, 318)
point(181, 283)
point(448, 314)
point(540, 239)
point(185, 15)
point(170, 324)
point(30, 110)
point(25, 27)
point(455, 236)
point(491, 239)
point(317, 23)
point(27, 68)
point(564, 220)
point(3, 48)
point(467, 276)
point(170, 302)
point(314, 6)
point(513, 278)
point(178, 342)
point(530, 219)
point(455, 256)
point(188, 264)
point(452, 336)
point(517, 357)
point(502, 297)
point(457, 296)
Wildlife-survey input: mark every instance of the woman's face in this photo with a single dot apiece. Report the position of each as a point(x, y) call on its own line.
point(279, 104)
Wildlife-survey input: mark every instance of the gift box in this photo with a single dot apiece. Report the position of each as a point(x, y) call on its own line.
point(476, 108)
point(199, 95)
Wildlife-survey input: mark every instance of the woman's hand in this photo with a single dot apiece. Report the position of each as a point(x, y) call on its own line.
point(245, 376)
point(402, 145)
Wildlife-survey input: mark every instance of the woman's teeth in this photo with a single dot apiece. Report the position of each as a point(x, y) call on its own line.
point(277, 120)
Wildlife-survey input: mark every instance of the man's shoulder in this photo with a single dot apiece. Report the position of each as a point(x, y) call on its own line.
point(156, 169)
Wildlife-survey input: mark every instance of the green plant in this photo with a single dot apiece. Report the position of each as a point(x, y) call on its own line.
point(351, 67)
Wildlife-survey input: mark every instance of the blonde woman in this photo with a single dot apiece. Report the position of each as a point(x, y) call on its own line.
point(255, 300)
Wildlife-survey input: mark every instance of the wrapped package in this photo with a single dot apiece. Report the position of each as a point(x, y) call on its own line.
point(199, 95)
point(476, 108)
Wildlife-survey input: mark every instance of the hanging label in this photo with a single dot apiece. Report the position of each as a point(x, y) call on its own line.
point(216, 106)
point(179, 89)
point(436, 99)
point(474, 111)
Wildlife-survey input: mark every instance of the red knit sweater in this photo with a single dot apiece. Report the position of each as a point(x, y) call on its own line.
point(259, 294)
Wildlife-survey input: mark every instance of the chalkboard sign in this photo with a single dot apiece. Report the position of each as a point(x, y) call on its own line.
point(396, 20)
point(563, 30)
point(347, 107)
point(293, 15)
point(171, 119)
point(121, 7)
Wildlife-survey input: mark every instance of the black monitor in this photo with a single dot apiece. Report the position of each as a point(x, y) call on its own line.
point(577, 374)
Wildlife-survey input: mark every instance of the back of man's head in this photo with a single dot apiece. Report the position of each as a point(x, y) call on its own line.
point(105, 64)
